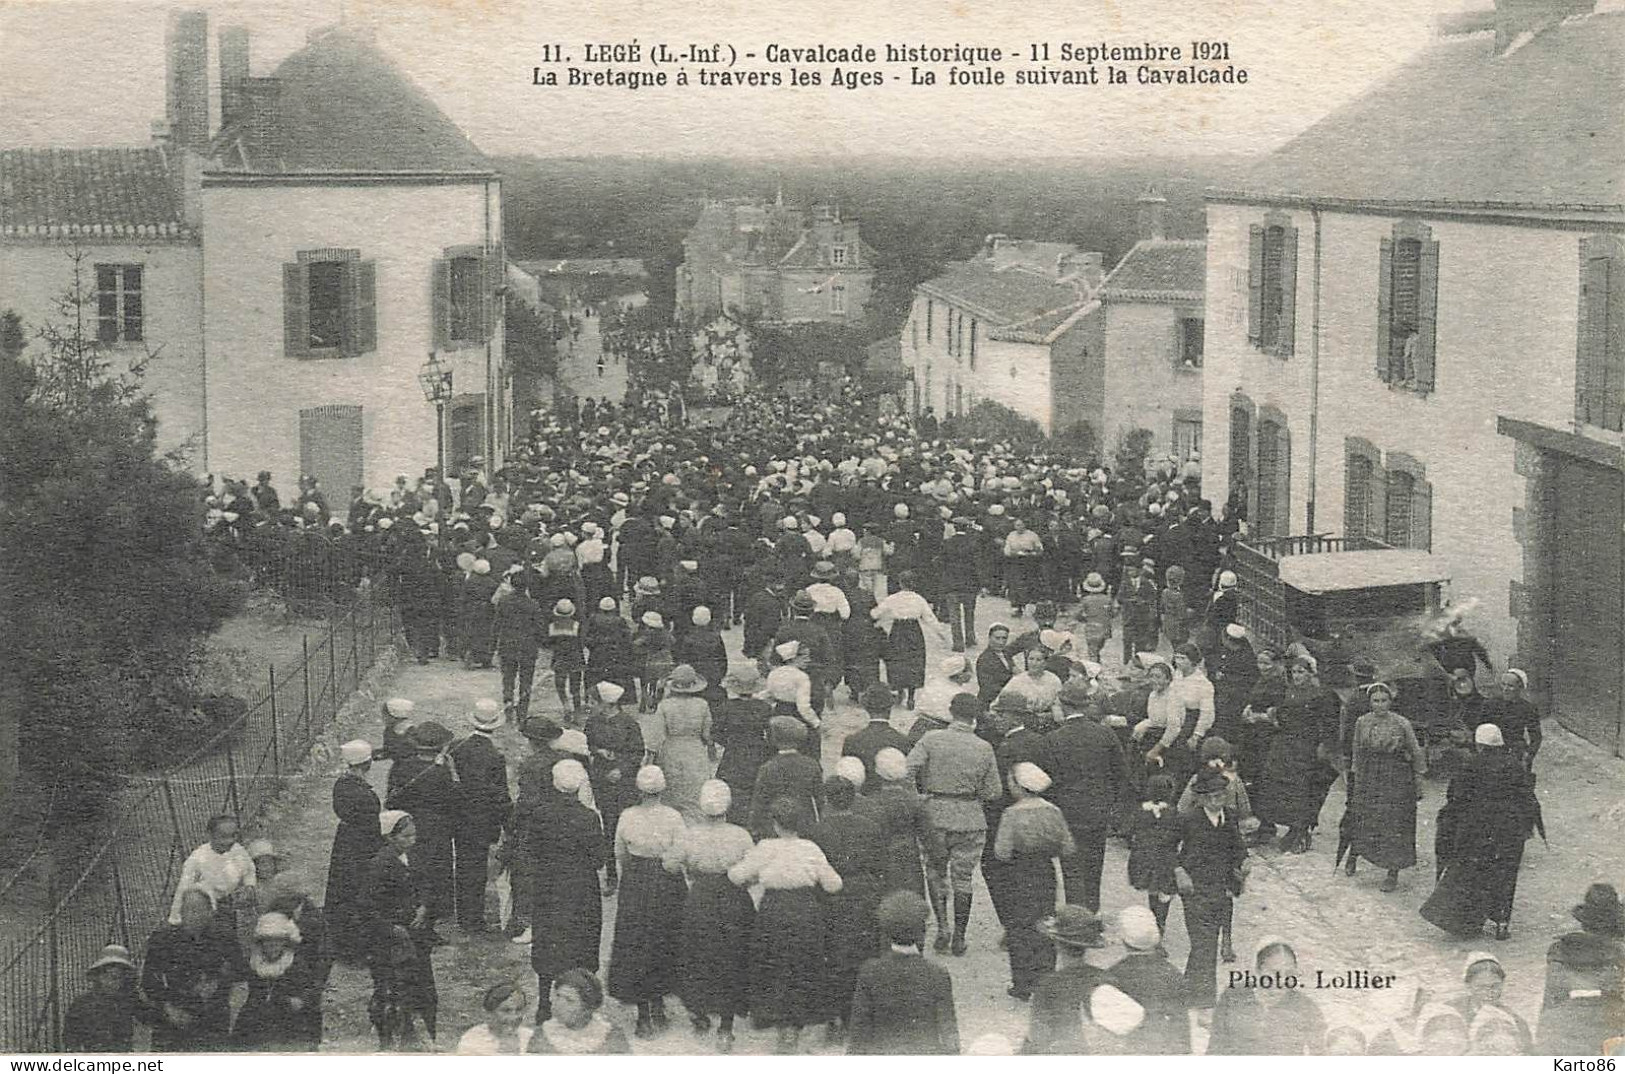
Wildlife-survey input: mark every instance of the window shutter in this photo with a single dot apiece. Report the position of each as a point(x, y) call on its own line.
point(1385, 290)
point(360, 308)
point(496, 270)
point(1255, 284)
point(1613, 344)
point(1427, 312)
point(1283, 493)
point(1356, 492)
point(440, 301)
point(1286, 333)
point(296, 310)
point(1421, 515)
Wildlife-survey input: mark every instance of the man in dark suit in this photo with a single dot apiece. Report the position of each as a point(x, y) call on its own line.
point(902, 1004)
point(825, 667)
point(994, 668)
point(789, 773)
point(1212, 867)
point(1139, 601)
point(1085, 762)
point(877, 701)
point(483, 805)
point(960, 582)
point(519, 639)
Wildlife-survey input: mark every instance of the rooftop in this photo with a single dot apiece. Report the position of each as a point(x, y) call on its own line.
point(1159, 270)
point(1046, 326)
point(346, 107)
point(1540, 126)
point(123, 193)
point(1002, 296)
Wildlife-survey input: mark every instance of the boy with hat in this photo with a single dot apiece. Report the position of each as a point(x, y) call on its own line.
point(1212, 867)
point(103, 1019)
point(877, 700)
point(902, 1004)
point(1059, 998)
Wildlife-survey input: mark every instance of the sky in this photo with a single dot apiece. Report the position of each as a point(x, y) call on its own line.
point(91, 72)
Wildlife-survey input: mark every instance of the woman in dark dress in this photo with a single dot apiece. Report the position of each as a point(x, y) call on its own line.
point(649, 912)
point(1293, 784)
point(1256, 727)
point(852, 845)
point(615, 753)
point(1489, 813)
point(566, 847)
point(1516, 716)
point(1032, 835)
point(739, 726)
point(1385, 783)
point(899, 809)
point(354, 845)
point(717, 917)
point(422, 785)
point(787, 944)
point(1154, 848)
point(902, 614)
point(402, 939)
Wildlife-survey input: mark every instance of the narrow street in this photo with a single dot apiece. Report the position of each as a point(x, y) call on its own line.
point(1337, 923)
point(578, 362)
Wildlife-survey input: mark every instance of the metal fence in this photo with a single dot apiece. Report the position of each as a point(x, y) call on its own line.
point(123, 891)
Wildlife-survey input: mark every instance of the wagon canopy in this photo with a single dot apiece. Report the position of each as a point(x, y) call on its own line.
point(1336, 572)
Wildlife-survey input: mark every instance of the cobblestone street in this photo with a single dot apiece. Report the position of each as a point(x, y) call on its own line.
point(1336, 922)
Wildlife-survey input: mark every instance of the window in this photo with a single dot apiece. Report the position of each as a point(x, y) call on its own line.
point(973, 344)
point(948, 333)
point(1272, 282)
point(465, 288)
point(119, 313)
point(837, 297)
point(1190, 342)
point(329, 305)
point(914, 334)
point(930, 310)
point(959, 399)
point(959, 334)
point(1187, 437)
point(837, 255)
point(1407, 298)
point(1599, 397)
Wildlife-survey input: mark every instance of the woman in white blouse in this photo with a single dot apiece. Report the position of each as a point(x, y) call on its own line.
point(222, 870)
point(900, 615)
point(643, 959)
point(1193, 719)
point(787, 947)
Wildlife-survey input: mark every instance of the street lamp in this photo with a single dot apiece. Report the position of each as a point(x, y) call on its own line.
point(435, 379)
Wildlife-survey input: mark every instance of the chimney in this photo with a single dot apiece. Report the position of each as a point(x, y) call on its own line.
point(262, 123)
point(186, 52)
point(1515, 18)
point(1152, 210)
point(233, 72)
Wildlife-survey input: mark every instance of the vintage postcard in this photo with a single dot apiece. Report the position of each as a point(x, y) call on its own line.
point(929, 528)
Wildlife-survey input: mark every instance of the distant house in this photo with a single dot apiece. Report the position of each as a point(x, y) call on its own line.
point(1016, 325)
point(1152, 309)
point(1415, 337)
point(774, 263)
point(348, 229)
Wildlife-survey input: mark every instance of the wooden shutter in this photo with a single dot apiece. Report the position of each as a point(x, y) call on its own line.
point(1385, 310)
point(1356, 492)
point(496, 268)
point(1427, 312)
point(360, 308)
point(1593, 289)
point(1421, 514)
point(440, 300)
point(296, 310)
point(1614, 345)
point(1286, 329)
point(1255, 283)
point(1283, 490)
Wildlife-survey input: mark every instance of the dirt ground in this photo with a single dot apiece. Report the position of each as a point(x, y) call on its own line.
point(1335, 922)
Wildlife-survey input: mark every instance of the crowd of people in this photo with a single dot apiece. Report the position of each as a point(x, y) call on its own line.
point(687, 778)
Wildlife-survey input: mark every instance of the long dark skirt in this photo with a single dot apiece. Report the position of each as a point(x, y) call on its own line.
point(717, 920)
point(1384, 804)
point(905, 655)
point(1029, 898)
point(851, 938)
point(787, 958)
point(1474, 891)
point(648, 920)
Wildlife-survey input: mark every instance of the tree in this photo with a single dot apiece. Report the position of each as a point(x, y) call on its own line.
point(1133, 448)
point(106, 594)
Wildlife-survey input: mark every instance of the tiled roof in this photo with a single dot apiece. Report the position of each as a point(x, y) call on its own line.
point(1159, 270)
point(1539, 127)
point(1046, 326)
point(807, 253)
point(346, 107)
point(125, 193)
point(1004, 296)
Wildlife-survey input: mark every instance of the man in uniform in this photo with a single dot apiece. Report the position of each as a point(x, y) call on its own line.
point(957, 772)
